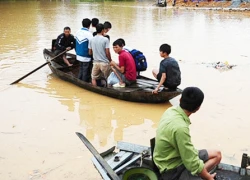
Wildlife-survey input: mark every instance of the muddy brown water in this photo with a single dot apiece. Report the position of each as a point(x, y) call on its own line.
point(40, 115)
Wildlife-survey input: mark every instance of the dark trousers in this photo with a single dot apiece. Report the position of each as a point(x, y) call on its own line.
point(85, 71)
point(181, 173)
point(173, 174)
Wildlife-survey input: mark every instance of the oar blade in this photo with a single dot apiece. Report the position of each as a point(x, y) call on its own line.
point(104, 164)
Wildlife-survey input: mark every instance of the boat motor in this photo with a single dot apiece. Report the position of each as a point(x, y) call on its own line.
point(245, 161)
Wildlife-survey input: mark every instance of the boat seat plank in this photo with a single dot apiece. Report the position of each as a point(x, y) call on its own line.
point(123, 157)
point(145, 84)
point(147, 81)
point(128, 163)
point(123, 146)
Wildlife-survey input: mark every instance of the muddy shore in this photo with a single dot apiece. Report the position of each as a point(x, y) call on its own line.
point(210, 5)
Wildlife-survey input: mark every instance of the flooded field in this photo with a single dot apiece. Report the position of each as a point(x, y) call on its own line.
point(40, 115)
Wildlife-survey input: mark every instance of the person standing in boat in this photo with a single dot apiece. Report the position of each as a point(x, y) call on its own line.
point(174, 154)
point(65, 41)
point(169, 73)
point(82, 38)
point(123, 73)
point(99, 48)
point(94, 22)
point(107, 27)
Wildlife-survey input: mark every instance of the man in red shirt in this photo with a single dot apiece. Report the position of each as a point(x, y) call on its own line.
point(124, 73)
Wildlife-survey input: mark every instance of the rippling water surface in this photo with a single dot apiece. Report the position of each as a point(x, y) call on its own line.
point(40, 115)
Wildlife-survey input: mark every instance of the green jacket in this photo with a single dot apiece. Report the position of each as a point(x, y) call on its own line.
point(173, 146)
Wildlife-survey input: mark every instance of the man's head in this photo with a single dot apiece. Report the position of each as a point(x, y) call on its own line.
point(94, 22)
point(117, 46)
point(100, 28)
point(191, 99)
point(123, 41)
point(107, 26)
point(66, 31)
point(165, 49)
point(86, 23)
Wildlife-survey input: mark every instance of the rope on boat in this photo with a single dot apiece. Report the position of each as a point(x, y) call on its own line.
point(143, 154)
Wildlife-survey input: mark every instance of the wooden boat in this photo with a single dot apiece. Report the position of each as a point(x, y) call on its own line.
point(129, 161)
point(161, 3)
point(141, 91)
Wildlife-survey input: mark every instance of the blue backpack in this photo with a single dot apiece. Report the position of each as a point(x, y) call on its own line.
point(140, 60)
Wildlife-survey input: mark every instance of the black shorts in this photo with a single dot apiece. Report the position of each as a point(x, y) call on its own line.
point(181, 173)
point(165, 83)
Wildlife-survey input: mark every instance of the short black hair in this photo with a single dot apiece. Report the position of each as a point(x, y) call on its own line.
point(122, 40)
point(99, 28)
point(107, 25)
point(66, 28)
point(86, 23)
point(165, 48)
point(191, 98)
point(107, 36)
point(118, 42)
point(94, 22)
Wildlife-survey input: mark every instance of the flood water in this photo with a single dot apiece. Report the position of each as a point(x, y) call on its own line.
point(40, 115)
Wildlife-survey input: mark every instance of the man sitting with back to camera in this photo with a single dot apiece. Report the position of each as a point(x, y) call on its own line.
point(174, 153)
point(65, 41)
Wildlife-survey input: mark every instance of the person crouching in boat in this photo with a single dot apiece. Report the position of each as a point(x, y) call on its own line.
point(123, 73)
point(65, 41)
point(174, 154)
point(83, 36)
point(169, 73)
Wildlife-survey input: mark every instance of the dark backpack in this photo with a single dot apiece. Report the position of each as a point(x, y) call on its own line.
point(140, 60)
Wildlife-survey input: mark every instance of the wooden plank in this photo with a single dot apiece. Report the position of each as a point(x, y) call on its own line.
point(128, 163)
point(99, 158)
point(132, 147)
point(123, 157)
point(100, 169)
point(147, 81)
point(105, 153)
point(144, 84)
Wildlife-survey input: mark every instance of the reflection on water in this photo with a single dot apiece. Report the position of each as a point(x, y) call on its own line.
point(103, 118)
point(47, 111)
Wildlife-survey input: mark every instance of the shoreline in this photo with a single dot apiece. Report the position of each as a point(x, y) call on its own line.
point(211, 5)
point(214, 8)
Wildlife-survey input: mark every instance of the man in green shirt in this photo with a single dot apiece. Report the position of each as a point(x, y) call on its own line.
point(174, 153)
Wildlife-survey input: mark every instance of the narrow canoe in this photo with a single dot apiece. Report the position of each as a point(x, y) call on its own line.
point(141, 91)
point(132, 162)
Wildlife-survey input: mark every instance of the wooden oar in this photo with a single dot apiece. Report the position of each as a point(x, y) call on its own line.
point(37, 68)
point(98, 157)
